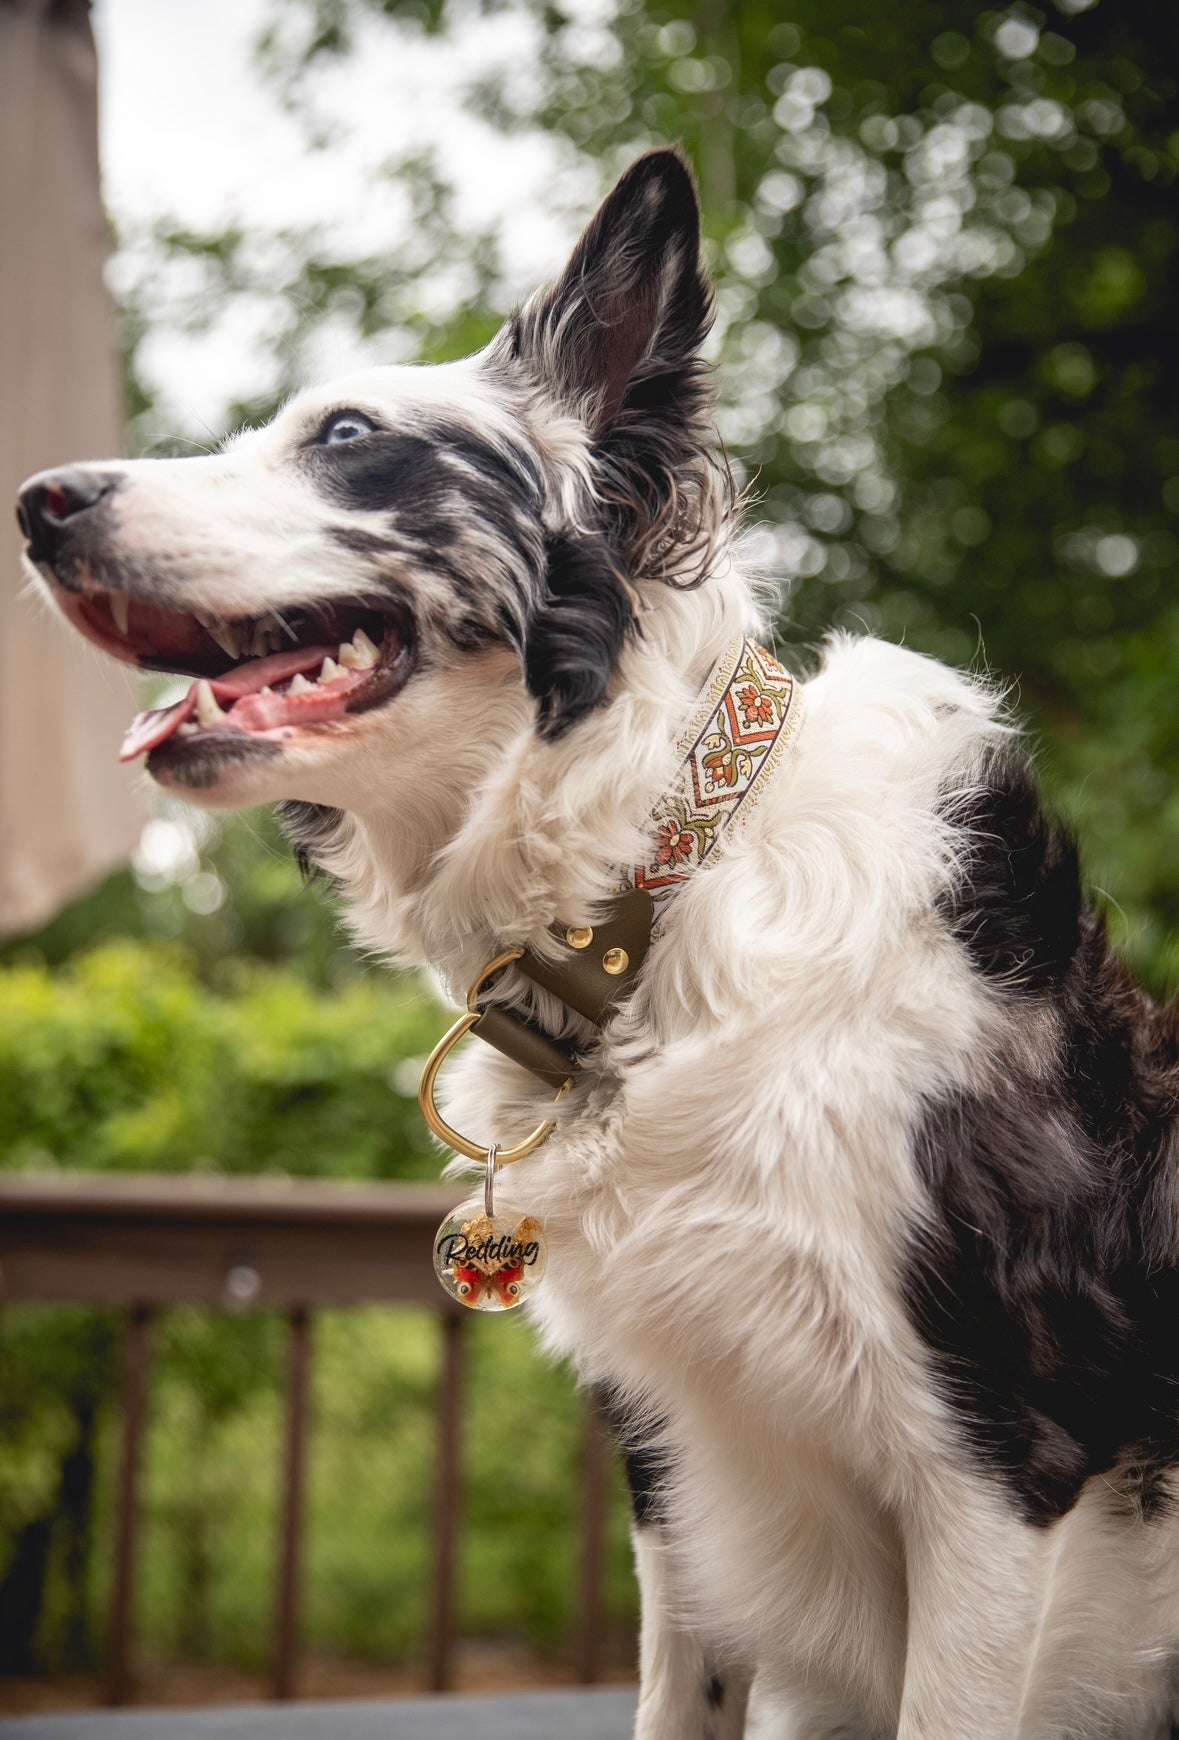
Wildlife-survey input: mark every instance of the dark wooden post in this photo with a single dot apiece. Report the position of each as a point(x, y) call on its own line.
point(133, 1412)
point(447, 1504)
point(291, 1522)
point(587, 1651)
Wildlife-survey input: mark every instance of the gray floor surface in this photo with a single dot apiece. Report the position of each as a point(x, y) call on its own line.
point(535, 1716)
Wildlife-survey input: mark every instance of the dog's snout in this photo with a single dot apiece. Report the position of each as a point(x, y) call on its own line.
point(51, 501)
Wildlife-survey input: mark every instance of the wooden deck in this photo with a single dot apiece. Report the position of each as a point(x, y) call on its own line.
point(143, 1243)
point(605, 1715)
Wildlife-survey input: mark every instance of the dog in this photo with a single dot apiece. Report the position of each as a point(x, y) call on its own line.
point(862, 1210)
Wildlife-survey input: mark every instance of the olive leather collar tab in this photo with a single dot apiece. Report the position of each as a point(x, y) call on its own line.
point(746, 718)
point(595, 971)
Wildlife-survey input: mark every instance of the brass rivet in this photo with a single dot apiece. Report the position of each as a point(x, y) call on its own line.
point(616, 961)
point(579, 936)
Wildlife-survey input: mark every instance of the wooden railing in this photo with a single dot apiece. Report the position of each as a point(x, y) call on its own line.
point(146, 1243)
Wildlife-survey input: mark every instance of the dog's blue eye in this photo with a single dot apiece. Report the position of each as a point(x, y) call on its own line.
point(345, 426)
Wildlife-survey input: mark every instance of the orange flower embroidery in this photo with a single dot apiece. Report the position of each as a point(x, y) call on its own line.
point(757, 708)
point(675, 844)
point(721, 768)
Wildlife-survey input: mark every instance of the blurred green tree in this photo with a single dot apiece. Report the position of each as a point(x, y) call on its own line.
point(945, 246)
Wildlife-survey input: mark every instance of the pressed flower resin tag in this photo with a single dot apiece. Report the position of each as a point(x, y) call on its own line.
point(489, 1261)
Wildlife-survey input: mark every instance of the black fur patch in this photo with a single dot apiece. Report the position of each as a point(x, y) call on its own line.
point(202, 765)
point(648, 1465)
point(467, 508)
point(1023, 910)
point(1048, 1288)
point(386, 470)
point(436, 481)
point(515, 472)
point(309, 828)
point(359, 542)
point(573, 638)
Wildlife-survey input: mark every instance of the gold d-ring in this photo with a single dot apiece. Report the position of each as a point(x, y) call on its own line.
point(469, 1019)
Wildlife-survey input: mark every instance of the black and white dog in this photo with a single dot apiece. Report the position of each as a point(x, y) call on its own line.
point(865, 1205)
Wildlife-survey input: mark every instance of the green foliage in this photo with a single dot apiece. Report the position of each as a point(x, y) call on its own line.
point(222, 887)
point(124, 1060)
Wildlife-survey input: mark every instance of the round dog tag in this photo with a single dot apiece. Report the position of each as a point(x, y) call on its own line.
point(489, 1262)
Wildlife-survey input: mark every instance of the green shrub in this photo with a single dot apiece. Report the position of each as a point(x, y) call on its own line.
point(133, 1057)
point(125, 1060)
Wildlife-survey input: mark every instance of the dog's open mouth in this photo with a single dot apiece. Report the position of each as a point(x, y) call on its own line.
point(264, 677)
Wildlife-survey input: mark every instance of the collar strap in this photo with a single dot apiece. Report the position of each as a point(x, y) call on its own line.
point(747, 716)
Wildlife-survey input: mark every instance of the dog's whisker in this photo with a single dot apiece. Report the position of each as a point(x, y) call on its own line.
point(282, 623)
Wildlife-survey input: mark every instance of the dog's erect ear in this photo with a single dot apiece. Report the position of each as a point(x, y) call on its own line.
point(575, 634)
point(617, 342)
point(618, 335)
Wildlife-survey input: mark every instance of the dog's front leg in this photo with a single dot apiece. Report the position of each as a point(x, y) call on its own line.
point(685, 1693)
point(981, 1585)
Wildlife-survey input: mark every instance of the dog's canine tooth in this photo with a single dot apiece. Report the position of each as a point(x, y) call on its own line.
point(207, 708)
point(120, 609)
point(369, 653)
point(359, 654)
point(330, 671)
point(299, 684)
point(228, 638)
point(188, 729)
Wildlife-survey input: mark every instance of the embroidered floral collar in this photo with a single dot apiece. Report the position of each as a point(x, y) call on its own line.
point(747, 717)
point(739, 730)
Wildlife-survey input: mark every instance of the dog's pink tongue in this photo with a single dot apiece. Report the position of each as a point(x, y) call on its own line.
point(247, 679)
point(147, 730)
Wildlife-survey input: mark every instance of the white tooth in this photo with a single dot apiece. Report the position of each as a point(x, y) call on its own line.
point(207, 710)
point(349, 657)
point(299, 684)
point(188, 729)
point(368, 654)
point(330, 671)
point(226, 637)
point(120, 606)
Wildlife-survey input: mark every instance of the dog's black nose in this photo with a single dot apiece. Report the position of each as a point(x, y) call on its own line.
point(51, 500)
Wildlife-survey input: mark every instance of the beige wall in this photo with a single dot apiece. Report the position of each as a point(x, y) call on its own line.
point(68, 812)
